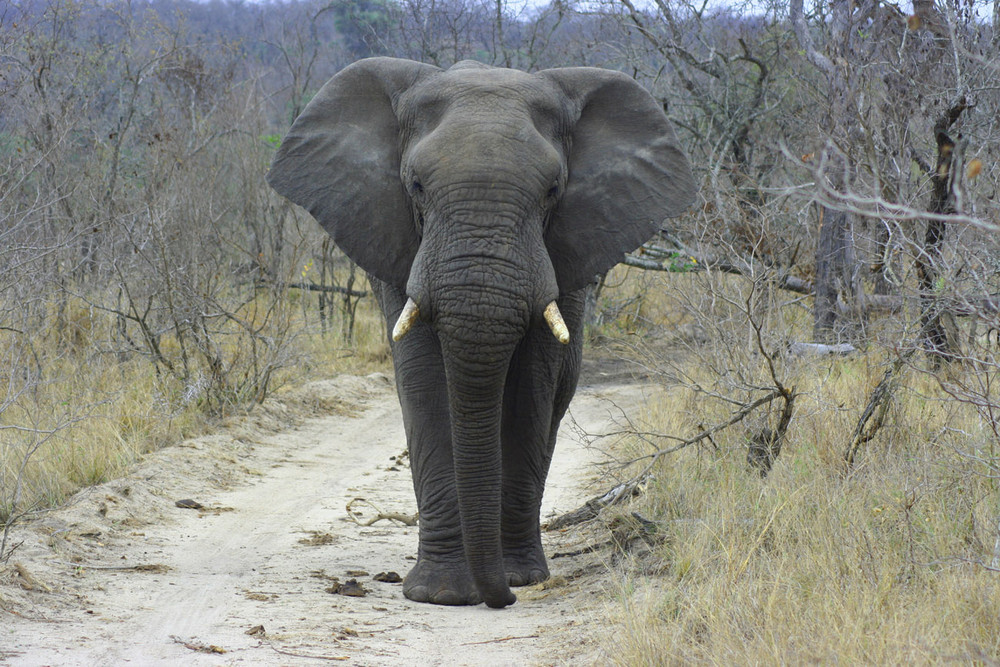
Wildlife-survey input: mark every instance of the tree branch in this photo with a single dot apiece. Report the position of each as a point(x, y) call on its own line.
point(805, 39)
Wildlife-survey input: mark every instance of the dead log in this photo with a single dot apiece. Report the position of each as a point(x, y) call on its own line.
point(821, 349)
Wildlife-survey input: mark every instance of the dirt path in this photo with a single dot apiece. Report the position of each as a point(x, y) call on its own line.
point(123, 575)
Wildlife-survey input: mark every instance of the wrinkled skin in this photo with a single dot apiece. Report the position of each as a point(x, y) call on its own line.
point(482, 194)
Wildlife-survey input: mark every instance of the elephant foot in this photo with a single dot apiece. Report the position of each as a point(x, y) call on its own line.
point(525, 568)
point(441, 583)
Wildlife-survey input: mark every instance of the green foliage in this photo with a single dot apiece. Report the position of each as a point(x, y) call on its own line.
point(361, 23)
point(681, 263)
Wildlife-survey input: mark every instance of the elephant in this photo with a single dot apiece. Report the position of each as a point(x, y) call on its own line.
point(481, 202)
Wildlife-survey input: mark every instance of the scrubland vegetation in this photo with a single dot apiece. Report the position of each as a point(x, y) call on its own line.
point(890, 561)
point(796, 506)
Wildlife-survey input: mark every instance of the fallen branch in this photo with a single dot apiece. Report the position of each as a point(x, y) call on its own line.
point(311, 656)
point(198, 646)
point(820, 349)
point(736, 418)
point(158, 568)
point(313, 287)
point(502, 639)
point(873, 416)
point(405, 519)
point(584, 550)
point(593, 507)
point(28, 582)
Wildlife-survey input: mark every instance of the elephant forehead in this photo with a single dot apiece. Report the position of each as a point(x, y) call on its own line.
point(474, 89)
point(481, 151)
point(487, 76)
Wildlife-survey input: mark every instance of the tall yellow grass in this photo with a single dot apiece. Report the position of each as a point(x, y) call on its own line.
point(886, 565)
point(92, 413)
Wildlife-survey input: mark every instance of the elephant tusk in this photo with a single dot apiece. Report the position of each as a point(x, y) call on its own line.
point(406, 319)
point(555, 321)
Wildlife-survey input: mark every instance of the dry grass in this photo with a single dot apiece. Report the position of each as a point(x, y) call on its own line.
point(90, 413)
point(807, 565)
point(886, 565)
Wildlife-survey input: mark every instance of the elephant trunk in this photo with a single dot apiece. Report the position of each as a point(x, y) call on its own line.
point(476, 396)
point(479, 326)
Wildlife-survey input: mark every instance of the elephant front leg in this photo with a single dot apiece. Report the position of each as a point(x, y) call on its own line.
point(441, 574)
point(529, 438)
point(523, 556)
point(541, 383)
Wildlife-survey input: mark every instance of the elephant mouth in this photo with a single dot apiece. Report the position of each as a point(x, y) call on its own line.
point(551, 315)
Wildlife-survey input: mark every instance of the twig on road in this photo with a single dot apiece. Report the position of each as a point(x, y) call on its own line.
point(159, 568)
point(501, 639)
point(338, 658)
point(405, 519)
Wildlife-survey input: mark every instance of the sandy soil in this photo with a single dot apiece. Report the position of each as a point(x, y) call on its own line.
point(122, 575)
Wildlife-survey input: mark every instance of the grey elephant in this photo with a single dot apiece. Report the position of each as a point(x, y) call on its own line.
point(482, 202)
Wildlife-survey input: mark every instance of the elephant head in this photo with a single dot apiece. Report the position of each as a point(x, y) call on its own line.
point(484, 193)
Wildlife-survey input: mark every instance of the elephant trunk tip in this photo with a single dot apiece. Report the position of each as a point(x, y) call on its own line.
point(503, 599)
point(556, 323)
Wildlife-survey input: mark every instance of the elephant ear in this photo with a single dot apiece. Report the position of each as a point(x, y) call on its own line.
point(340, 161)
point(627, 174)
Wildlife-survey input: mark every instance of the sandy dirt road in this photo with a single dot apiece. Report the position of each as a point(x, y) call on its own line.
point(124, 576)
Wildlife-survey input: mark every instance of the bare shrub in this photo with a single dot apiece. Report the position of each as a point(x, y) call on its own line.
point(146, 271)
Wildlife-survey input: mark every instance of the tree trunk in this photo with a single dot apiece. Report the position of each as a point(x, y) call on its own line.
point(935, 339)
point(836, 267)
point(836, 283)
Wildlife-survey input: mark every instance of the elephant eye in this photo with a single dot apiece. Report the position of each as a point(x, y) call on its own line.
point(416, 188)
point(551, 197)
